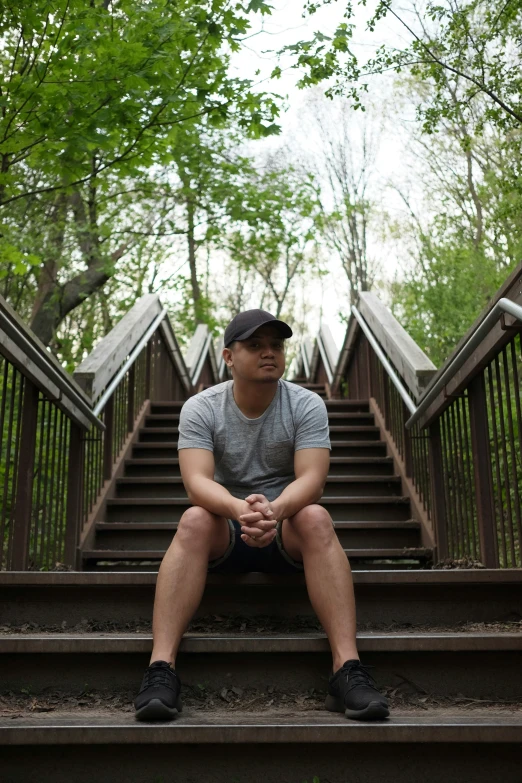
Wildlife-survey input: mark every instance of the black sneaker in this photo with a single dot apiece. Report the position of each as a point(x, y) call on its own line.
point(352, 690)
point(159, 696)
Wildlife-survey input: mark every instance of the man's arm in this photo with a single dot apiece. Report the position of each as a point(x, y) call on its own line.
point(197, 472)
point(311, 469)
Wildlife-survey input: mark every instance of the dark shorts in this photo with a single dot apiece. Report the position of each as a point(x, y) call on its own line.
point(241, 558)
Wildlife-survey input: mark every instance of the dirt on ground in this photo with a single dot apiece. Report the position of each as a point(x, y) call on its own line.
point(260, 624)
point(463, 562)
point(406, 696)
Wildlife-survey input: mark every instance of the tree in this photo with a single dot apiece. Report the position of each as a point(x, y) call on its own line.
point(276, 213)
point(463, 231)
point(474, 42)
point(94, 99)
point(347, 153)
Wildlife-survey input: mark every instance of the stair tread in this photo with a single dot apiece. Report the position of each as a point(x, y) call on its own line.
point(165, 444)
point(333, 428)
point(408, 524)
point(155, 554)
point(367, 641)
point(104, 726)
point(334, 414)
point(333, 479)
point(326, 499)
point(390, 577)
point(333, 460)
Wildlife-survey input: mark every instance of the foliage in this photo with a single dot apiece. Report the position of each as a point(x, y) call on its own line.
point(346, 162)
point(473, 42)
point(276, 215)
point(465, 235)
point(99, 98)
point(114, 81)
point(441, 296)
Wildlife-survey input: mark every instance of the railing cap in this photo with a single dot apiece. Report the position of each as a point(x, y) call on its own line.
point(330, 347)
point(95, 372)
point(22, 348)
point(195, 347)
point(411, 362)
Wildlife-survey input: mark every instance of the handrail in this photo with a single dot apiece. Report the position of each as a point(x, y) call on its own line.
point(502, 306)
point(202, 359)
point(176, 356)
point(100, 405)
point(384, 361)
point(324, 357)
point(200, 349)
point(39, 357)
point(306, 362)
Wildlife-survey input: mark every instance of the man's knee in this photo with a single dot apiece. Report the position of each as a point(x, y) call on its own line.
point(196, 524)
point(313, 523)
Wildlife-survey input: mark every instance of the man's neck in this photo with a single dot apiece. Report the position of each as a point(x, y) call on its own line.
point(253, 399)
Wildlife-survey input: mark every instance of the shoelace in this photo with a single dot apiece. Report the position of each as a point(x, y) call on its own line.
point(358, 675)
point(158, 675)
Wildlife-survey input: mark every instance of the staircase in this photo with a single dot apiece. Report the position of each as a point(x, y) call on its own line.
point(446, 643)
point(372, 517)
point(254, 663)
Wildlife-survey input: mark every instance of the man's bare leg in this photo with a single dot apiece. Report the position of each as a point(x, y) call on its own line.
point(201, 536)
point(309, 536)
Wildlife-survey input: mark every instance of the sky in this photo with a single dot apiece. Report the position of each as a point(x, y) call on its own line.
point(285, 26)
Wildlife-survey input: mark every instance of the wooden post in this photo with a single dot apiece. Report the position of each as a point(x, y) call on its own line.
point(148, 367)
point(108, 420)
point(408, 450)
point(24, 487)
point(438, 496)
point(131, 398)
point(73, 519)
point(480, 448)
point(386, 398)
point(369, 351)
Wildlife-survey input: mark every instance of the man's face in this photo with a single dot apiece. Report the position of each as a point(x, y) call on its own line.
point(259, 358)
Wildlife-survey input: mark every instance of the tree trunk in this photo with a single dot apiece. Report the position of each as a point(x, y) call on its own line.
point(59, 301)
point(191, 241)
point(49, 270)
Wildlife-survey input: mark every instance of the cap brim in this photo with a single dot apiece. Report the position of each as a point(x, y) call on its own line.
point(284, 329)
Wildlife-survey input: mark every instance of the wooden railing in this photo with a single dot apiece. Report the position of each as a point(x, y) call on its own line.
point(63, 439)
point(43, 414)
point(461, 461)
point(201, 359)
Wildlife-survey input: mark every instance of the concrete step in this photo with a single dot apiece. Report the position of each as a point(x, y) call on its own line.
point(444, 597)
point(269, 746)
point(475, 665)
point(342, 486)
point(352, 535)
point(341, 509)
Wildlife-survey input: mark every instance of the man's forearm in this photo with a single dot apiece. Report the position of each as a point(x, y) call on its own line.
point(209, 494)
point(300, 493)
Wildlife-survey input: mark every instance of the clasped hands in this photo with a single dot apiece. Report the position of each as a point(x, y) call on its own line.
point(258, 522)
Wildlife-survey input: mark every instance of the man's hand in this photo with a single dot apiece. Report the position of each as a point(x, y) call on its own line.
point(258, 522)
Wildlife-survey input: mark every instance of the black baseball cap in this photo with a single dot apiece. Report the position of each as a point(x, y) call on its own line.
point(243, 325)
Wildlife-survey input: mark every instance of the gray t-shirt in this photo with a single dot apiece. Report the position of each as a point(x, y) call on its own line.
point(254, 455)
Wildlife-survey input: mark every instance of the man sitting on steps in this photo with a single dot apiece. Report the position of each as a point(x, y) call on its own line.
point(254, 457)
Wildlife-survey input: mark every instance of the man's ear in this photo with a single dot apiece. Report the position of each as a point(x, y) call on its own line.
point(227, 356)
